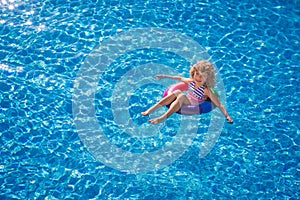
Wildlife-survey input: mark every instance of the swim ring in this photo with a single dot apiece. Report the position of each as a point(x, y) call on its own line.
point(203, 107)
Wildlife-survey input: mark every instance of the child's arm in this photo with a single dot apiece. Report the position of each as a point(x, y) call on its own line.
point(217, 102)
point(178, 78)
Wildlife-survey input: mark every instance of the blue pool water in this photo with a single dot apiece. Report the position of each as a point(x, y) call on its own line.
point(43, 48)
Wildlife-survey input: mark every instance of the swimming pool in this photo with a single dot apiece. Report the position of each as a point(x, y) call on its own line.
point(45, 45)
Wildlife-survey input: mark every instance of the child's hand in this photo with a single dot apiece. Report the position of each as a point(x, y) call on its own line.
point(160, 76)
point(229, 120)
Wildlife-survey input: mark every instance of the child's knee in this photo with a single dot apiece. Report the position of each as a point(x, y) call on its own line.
point(177, 92)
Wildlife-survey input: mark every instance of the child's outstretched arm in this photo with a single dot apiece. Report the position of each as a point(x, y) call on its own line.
point(217, 102)
point(178, 78)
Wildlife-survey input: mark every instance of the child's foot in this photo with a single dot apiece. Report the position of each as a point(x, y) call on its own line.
point(146, 113)
point(156, 120)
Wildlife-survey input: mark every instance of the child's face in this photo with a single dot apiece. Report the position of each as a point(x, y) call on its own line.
point(199, 77)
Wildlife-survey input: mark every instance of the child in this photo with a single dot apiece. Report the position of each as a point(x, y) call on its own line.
point(201, 82)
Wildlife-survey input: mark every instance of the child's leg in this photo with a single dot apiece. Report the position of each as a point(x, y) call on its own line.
point(174, 107)
point(165, 101)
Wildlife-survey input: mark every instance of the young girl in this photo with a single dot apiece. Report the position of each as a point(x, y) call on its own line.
point(201, 82)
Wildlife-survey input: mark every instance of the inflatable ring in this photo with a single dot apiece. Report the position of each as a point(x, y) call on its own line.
point(203, 107)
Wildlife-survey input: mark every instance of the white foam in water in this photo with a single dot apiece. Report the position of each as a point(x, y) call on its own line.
point(10, 69)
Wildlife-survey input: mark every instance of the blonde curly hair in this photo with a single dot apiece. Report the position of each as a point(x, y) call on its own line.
point(207, 69)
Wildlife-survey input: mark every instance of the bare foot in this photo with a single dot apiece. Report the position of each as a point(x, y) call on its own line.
point(146, 113)
point(156, 120)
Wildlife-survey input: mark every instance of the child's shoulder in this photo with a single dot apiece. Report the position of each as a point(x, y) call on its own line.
point(187, 80)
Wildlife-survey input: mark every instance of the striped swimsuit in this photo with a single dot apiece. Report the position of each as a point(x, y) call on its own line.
point(196, 96)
